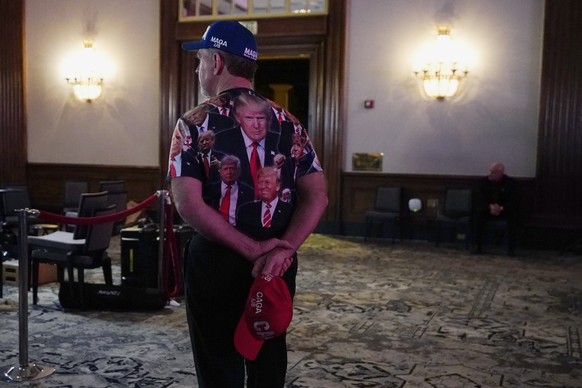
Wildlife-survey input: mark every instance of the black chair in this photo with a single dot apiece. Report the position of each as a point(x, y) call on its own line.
point(8, 240)
point(117, 195)
point(8, 221)
point(119, 200)
point(387, 210)
point(456, 214)
point(80, 254)
point(8, 248)
point(112, 186)
point(87, 206)
point(73, 191)
point(15, 197)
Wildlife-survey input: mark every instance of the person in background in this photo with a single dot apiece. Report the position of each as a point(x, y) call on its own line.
point(256, 140)
point(222, 260)
point(496, 200)
point(209, 158)
point(228, 193)
point(269, 212)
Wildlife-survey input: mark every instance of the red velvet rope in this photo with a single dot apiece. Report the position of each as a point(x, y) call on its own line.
point(60, 219)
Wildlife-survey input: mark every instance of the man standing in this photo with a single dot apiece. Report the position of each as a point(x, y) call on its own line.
point(496, 201)
point(222, 259)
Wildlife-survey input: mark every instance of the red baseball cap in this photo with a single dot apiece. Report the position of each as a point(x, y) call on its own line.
point(267, 314)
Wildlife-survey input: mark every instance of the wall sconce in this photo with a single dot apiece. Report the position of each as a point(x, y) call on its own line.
point(415, 205)
point(443, 67)
point(85, 74)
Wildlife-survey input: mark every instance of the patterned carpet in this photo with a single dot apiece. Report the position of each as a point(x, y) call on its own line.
point(366, 315)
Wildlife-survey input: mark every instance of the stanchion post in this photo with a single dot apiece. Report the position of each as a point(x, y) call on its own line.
point(25, 371)
point(162, 234)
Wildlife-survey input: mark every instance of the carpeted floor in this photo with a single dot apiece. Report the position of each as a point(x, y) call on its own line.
point(366, 315)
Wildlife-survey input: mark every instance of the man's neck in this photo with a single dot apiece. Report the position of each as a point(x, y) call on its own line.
point(232, 83)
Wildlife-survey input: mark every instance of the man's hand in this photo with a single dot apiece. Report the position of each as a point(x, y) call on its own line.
point(311, 190)
point(187, 193)
point(273, 263)
point(268, 247)
point(215, 163)
point(279, 160)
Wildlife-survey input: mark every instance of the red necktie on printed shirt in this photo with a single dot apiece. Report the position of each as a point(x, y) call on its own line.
point(225, 204)
point(267, 217)
point(173, 172)
point(255, 165)
point(206, 165)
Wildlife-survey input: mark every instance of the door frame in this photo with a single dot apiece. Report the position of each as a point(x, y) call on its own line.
point(321, 38)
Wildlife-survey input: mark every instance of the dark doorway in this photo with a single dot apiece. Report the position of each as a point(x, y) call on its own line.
point(294, 72)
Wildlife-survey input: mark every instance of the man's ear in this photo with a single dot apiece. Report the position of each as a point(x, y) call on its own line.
point(218, 64)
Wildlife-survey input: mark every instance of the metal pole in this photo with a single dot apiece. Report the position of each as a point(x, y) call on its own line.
point(163, 194)
point(26, 371)
point(23, 287)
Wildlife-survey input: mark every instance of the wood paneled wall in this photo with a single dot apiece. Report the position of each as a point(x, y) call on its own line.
point(359, 192)
point(559, 167)
point(12, 114)
point(47, 181)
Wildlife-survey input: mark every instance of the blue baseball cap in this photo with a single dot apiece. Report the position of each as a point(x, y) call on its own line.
point(229, 36)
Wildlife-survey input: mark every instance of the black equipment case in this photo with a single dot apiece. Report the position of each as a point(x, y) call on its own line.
point(139, 256)
point(112, 297)
point(139, 253)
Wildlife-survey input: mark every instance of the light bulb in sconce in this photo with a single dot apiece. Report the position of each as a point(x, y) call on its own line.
point(415, 205)
point(85, 74)
point(442, 66)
